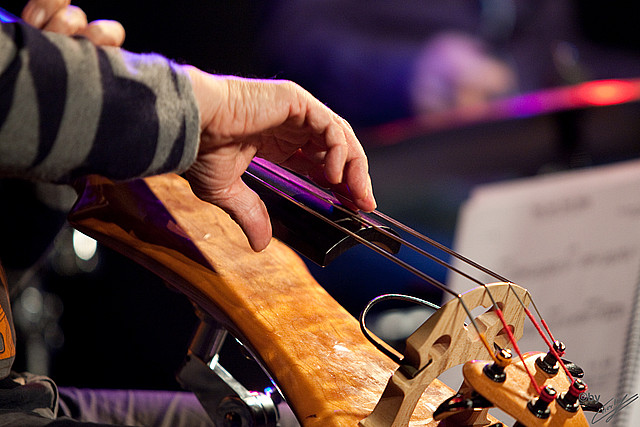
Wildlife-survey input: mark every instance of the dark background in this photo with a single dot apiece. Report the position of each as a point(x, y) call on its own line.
point(122, 328)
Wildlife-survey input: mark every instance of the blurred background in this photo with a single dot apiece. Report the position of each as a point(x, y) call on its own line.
point(444, 95)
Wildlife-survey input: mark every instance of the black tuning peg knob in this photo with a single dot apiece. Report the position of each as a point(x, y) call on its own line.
point(549, 363)
point(495, 370)
point(540, 406)
point(569, 399)
point(459, 403)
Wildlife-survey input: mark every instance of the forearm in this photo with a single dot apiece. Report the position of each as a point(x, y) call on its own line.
point(69, 108)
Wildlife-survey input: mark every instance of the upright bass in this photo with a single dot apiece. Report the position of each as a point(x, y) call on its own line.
point(327, 365)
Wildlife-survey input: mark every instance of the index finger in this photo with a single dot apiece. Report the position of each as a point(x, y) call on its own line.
point(344, 165)
point(356, 181)
point(105, 32)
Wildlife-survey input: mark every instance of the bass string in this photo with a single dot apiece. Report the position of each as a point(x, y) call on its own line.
point(401, 263)
point(496, 307)
point(419, 273)
point(548, 330)
point(494, 303)
point(491, 273)
point(479, 267)
point(382, 251)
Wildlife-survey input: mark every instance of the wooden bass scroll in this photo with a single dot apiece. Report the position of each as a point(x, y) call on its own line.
point(311, 346)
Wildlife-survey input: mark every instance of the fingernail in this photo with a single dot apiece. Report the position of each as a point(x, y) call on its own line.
point(366, 201)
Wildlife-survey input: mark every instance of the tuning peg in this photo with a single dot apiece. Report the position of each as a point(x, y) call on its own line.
point(590, 403)
point(591, 406)
point(495, 371)
point(549, 363)
point(540, 406)
point(459, 403)
point(569, 399)
point(575, 370)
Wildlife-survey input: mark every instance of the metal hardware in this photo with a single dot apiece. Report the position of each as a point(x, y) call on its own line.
point(227, 402)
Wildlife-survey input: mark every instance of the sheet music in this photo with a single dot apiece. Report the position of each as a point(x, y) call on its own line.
point(572, 239)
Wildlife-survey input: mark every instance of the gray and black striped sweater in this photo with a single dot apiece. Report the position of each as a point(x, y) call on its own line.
point(69, 108)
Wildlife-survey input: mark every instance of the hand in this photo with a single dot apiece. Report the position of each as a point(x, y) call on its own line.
point(278, 121)
point(61, 17)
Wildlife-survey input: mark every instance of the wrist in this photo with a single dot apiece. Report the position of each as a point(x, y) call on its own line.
point(210, 92)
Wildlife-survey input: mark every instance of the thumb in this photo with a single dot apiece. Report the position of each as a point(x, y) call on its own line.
point(245, 208)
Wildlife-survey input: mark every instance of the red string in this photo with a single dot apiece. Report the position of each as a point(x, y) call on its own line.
point(547, 328)
point(546, 340)
point(512, 339)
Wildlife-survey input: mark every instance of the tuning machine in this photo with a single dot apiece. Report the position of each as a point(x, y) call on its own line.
point(549, 362)
point(495, 370)
point(463, 408)
point(540, 405)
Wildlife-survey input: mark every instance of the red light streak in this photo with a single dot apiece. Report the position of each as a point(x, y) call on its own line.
point(607, 92)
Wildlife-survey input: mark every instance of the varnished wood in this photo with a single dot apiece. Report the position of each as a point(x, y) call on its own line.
point(312, 347)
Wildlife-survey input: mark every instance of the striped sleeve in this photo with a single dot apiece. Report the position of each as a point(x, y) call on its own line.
point(68, 108)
